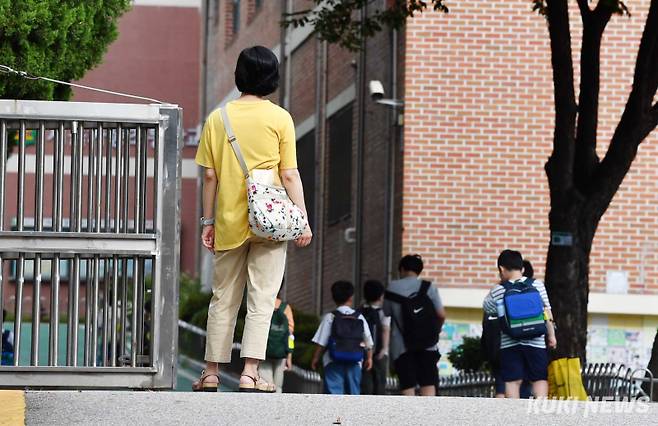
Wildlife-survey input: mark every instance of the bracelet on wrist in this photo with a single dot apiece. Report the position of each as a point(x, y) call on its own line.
point(207, 221)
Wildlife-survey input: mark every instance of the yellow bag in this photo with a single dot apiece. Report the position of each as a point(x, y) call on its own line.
point(565, 380)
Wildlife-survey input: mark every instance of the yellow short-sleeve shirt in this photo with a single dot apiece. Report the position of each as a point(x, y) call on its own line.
point(266, 135)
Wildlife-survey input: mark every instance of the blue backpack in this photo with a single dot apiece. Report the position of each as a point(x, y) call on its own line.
point(346, 338)
point(524, 310)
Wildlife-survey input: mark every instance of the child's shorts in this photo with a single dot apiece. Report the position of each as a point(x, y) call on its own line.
point(523, 362)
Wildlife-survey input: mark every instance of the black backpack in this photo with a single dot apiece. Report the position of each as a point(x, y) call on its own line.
point(373, 318)
point(420, 322)
point(345, 343)
point(490, 341)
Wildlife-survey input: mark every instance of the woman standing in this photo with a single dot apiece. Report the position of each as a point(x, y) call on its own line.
point(266, 136)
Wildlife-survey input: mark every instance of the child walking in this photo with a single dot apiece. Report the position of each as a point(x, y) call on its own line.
point(342, 339)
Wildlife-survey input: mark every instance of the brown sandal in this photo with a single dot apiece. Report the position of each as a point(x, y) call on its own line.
point(202, 386)
point(257, 386)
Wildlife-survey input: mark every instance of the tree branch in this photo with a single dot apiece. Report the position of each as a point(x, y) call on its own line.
point(639, 119)
point(594, 24)
point(584, 8)
point(559, 167)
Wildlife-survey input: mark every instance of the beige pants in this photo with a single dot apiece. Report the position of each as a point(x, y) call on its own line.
point(259, 264)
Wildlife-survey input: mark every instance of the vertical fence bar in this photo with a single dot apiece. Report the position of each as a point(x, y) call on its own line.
point(142, 229)
point(38, 226)
point(124, 218)
point(115, 259)
point(106, 262)
point(136, 300)
point(58, 180)
point(91, 152)
point(72, 215)
point(113, 334)
point(98, 160)
point(89, 279)
point(134, 328)
point(76, 257)
point(20, 273)
point(156, 172)
point(3, 170)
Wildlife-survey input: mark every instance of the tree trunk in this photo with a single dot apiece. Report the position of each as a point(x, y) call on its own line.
point(653, 367)
point(567, 280)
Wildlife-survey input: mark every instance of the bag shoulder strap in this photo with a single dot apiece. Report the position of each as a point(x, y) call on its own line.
point(394, 297)
point(234, 142)
point(424, 287)
point(283, 306)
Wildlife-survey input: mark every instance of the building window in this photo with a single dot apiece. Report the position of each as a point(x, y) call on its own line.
point(306, 160)
point(340, 165)
point(259, 3)
point(236, 16)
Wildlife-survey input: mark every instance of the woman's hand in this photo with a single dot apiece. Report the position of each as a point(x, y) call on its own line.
point(208, 238)
point(305, 239)
point(289, 362)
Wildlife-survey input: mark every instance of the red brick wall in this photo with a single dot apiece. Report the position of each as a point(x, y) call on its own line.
point(303, 72)
point(299, 271)
point(478, 130)
point(257, 27)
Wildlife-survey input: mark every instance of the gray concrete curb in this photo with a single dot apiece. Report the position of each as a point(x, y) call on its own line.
point(179, 408)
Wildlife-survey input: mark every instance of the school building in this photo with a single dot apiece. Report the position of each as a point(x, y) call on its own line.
point(457, 174)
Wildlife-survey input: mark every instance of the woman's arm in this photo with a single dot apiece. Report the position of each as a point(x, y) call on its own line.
point(293, 183)
point(209, 190)
point(291, 319)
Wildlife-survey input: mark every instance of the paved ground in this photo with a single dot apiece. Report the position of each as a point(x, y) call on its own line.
point(176, 408)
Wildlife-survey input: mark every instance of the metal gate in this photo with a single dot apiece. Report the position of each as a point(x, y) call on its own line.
point(89, 244)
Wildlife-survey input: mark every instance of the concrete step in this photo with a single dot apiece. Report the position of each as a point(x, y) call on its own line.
point(178, 408)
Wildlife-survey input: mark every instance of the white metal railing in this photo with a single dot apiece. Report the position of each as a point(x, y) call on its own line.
point(90, 196)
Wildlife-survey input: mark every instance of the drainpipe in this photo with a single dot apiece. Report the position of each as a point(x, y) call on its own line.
point(283, 70)
point(203, 110)
point(358, 214)
point(392, 146)
point(283, 75)
point(320, 154)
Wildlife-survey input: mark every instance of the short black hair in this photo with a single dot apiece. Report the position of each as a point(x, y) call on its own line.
point(411, 262)
point(510, 260)
point(528, 270)
point(373, 290)
point(257, 71)
point(341, 291)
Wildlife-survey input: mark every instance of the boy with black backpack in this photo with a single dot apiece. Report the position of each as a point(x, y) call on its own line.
point(345, 340)
point(373, 382)
point(417, 318)
point(524, 312)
